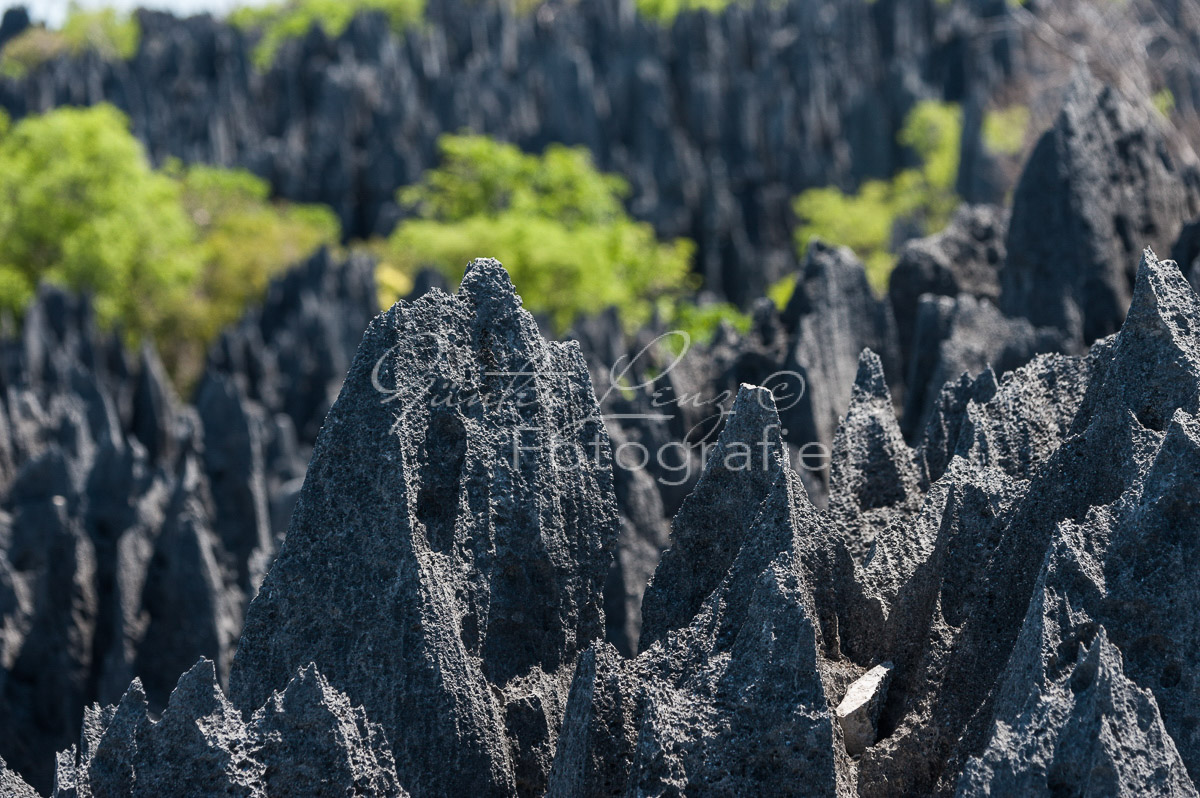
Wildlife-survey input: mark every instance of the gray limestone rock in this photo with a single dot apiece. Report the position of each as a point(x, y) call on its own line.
point(735, 694)
point(948, 662)
point(964, 258)
point(834, 315)
point(307, 740)
point(716, 119)
point(873, 474)
point(13, 785)
point(957, 335)
point(445, 560)
point(166, 509)
point(858, 711)
point(708, 531)
point(1100, 185)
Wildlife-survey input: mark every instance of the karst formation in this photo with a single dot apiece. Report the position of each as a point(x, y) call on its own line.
point(938, 541)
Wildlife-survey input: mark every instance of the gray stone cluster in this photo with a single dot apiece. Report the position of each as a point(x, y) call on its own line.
point(959, 303)
point(448, 582)
point(1018, 619)
point(134, 529)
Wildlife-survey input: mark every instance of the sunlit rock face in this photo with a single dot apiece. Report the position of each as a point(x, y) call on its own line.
point(445, 561)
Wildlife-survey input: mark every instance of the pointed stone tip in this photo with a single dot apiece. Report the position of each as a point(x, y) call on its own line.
point(755, 403)
point(135, 693)
point(203, 672)
point(869, 380)
point(1184, 424)
point(1160, 292)
point(489, 286)
point(486, 275)
point(201, 678)
point(307, 682)
point(754, 418)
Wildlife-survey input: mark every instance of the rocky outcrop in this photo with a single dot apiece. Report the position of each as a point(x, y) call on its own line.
point(1100, 185)
point(731, 690)
point(1004, 606)
point(135, 527)
point(457, 522)
point(306, 740)
point(833, 315)
point(964, 258)
point(960, 618)
point(964, 335)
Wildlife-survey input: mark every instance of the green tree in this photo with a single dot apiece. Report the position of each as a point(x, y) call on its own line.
point(1004, 129)
point(111, 34)
point(280, 22)
point(243, 240)
point(664, 11)
point(865, 220)
point(556, 223)
point(175, 254)
point(81, 206)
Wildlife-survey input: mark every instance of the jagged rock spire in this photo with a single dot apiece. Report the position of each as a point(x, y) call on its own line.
point(1099, 185)
point(756, 641)
point(451, 540)
point(306, 741)
point(833, 315)
point(710, 527)
point(13, 785)
point(1156, 356)
point(872, 467)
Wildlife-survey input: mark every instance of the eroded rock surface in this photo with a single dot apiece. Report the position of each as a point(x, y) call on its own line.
point(307, 740)
point(445, 561)
point(1100, 185)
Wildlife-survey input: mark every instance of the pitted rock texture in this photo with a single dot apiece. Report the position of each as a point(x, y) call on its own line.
point(434, 623)
point(833, 315)
point(1025, 568)
point(964, 258)
point(1017, 544)
point(445, 561)
point(135, 528)
point(307, 740)
point(1100, 185)
point(730, 691)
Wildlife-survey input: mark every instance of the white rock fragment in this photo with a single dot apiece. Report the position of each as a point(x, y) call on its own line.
point(859, 711)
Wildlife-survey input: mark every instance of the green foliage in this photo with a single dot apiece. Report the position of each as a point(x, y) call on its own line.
point(281, 22)
point(174, 254)
point(701, 322)
point(244, 239)
point(781, 292)
point(556, 223)
point(1004, 129)
point(934, 130)
point(111, 34)
point(664, 11)
point(1164, 101)
point(865, 220)
point(80, 206)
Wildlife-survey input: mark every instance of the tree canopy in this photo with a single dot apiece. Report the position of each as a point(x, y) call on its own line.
point(174, 253)
point(865, 220)
point(278, 23)
point(554, 220)
point(106, 31)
